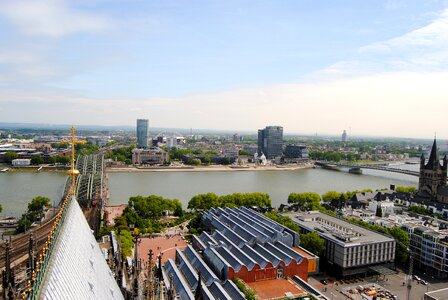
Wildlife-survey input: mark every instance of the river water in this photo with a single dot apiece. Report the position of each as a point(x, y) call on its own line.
point(18, 188)
point(278, 184)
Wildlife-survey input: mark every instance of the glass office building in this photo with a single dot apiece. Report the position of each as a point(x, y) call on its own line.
point(270, 141)
point(142, 133)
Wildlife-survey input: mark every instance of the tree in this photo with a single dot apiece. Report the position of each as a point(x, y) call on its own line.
point(37, 160)
point(34, 213)
point(121, 224)
point(194, 161)
point(10, 156)
point(306, 201)
point(284, 220)
point(226, 161)
point(126, 242)
point(312, 242)
point(38, 203)
point(52, 160)
point(405, 189)
point(1, 208)
point(379, 211)
point(401, 252)
point(244, 152)
point(330, 196)
point(203, 201)
point(63, 159)
point(207, 160)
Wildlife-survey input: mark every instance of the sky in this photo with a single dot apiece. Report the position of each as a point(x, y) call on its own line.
point(373, 67)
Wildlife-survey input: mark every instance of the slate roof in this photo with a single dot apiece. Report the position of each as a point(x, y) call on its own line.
point(77, 269)
point(433, 161)
point(184, 274)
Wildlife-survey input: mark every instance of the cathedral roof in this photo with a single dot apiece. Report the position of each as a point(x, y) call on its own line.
point(433, 161)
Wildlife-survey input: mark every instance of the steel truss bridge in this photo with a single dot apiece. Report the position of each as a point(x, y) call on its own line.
point(355, 168)
point(89, 182)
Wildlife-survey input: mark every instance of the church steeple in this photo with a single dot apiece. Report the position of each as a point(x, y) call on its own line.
point(433, 161)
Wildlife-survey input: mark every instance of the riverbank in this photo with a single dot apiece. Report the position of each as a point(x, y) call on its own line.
point(41, 168)
point(132, 169)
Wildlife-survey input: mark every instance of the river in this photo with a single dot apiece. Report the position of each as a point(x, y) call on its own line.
point(18, 188)
point(278, 184)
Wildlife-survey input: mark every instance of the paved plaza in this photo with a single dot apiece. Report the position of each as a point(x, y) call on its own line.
point(165, 245)
point(393, 283)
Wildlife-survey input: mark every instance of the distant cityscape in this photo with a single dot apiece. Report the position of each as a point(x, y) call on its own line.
point(235, 246)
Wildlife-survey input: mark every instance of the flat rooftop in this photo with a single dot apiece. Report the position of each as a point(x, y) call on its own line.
point(275, 288)
point(337, 230)
point(441, 294)
point(165, 245)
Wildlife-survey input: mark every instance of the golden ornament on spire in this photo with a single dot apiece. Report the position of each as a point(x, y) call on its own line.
point(73, 172)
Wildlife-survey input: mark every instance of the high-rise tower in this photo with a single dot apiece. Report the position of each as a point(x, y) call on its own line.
point(344, 136)
point(142, 133)
point(270, 141)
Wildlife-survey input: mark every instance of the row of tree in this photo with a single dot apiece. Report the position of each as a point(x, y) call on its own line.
point(37, 159)
point(399, 234)
point(311, 201)
point(145, 213)
point(204, 202)
point(334, 156)
point(123, 154)
point(311, 241)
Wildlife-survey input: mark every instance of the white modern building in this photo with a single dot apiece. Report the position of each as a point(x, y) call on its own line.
point(350, 249)
point(429, 243)
point(18, 162)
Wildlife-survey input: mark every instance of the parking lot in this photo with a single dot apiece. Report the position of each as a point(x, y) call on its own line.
point(393, 283)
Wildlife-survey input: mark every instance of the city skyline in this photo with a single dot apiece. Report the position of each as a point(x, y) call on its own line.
point(375, 69)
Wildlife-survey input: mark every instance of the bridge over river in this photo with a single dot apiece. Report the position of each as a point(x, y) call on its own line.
point(357, 169)
point(60, 259)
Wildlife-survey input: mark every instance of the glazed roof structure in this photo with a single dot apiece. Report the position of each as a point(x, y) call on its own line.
point(184, 274)
point(244, 238)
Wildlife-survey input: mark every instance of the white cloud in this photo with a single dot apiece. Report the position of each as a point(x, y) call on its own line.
point(51, 18)
point(395, 87)
point(392, 104)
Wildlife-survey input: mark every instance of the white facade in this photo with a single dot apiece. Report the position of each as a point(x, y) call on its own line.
point(386, 206)
point(21, 162)
point(430, 247)
point(348, 246)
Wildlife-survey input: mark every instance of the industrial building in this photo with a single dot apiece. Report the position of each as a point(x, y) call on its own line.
point(243, 244)
point(350, 249)
point(270, 141)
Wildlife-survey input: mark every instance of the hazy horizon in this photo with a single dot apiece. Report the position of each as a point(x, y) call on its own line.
point(376, 68)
